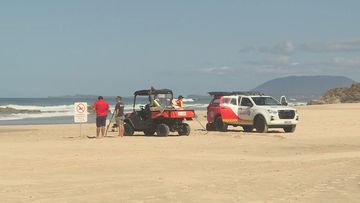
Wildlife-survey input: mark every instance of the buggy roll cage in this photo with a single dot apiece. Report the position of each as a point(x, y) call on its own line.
point(151, 93)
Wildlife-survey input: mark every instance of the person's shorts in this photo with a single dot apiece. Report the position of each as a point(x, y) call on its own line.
point(100, 121)
point(119, 120)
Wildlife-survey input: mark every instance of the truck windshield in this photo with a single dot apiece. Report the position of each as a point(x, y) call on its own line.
point(262, 101)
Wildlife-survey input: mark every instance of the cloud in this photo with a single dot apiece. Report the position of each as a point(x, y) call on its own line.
point(285, 66)
point(281, 60)
point(281, 66)
point(344, 46)
point(247, 49)
point(288, 47)
point(338, 64)
point(223, 70)
point(281, 48)
point(346, 62)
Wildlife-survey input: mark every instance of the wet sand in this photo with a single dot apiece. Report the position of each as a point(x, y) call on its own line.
point(320, 162)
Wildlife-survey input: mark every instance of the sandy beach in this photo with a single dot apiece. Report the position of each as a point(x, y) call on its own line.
point(320, 162)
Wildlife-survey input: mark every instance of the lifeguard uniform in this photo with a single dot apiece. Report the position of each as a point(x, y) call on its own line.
point(180, 103)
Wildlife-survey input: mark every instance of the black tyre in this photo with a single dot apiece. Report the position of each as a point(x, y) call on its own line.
point(290, 129)
point(248, 128)
point(128, 129)
point(184, 129)
point(162, 130)
point(149, 131)
point(219, 125)
point(260, 124)
point(210, 127)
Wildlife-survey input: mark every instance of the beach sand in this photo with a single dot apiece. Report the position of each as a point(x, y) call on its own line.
point(320, 162)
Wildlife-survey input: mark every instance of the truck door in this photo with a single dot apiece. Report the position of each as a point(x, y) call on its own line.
point(229, 109)
point(244, 112)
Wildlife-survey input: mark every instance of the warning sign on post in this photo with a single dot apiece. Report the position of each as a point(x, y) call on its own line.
point(81, 112)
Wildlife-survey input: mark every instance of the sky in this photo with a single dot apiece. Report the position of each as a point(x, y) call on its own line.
point(105, 47)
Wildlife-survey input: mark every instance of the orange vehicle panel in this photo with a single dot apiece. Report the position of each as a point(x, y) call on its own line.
point(173, 114)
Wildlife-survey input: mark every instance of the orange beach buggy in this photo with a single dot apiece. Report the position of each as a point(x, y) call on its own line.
point(158, 115)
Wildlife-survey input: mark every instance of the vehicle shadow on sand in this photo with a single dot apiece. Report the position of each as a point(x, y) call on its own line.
point(270, 133)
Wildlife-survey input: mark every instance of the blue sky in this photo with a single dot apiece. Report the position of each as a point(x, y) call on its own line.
point(50, 48)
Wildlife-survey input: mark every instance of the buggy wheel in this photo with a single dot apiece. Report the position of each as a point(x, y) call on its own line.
point(210, 127)
point(184, 129)
point(128, 129)
point(248, 128)
point(261, 125)
point(220, 125)
point(162, 130)
point(290, 129)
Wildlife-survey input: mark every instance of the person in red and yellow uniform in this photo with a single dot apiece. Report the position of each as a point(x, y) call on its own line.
point(179, 101)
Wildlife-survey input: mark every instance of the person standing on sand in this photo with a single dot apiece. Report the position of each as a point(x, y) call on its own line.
point(119, 115)
point(101, 107)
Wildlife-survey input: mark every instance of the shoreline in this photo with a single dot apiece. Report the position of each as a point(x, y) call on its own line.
point(91, 117)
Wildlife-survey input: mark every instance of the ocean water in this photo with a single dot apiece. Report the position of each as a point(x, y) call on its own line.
point(23, 111)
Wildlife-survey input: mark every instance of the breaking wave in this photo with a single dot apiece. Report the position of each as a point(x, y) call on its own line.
point(11, 112)
point(18, 112)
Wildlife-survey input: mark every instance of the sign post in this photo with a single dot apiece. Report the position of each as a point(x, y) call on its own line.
point(80, 115)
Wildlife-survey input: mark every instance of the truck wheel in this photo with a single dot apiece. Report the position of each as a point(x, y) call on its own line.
point(210, 127)
point(261, 125)
point(128, 129)
point(184, 129)
point(290, 129)
point(162, 130)
point(219, 125)
point(248, 128)
point(149, 131)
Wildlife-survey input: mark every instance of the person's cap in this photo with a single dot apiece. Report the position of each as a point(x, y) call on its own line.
point(180, 97)
point(118, 97)
point(100, 97)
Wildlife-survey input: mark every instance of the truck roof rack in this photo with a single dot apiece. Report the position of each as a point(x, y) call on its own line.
point(236, 93)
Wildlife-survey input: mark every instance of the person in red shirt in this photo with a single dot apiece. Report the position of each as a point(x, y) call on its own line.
point(101, 107)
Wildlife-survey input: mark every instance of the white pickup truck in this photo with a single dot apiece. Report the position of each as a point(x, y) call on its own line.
point(250, 111)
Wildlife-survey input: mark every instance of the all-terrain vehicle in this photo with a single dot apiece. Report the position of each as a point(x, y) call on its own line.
point(249, 110)
point(158, 115)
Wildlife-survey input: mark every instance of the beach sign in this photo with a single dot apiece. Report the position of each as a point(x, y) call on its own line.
point(80, 115)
